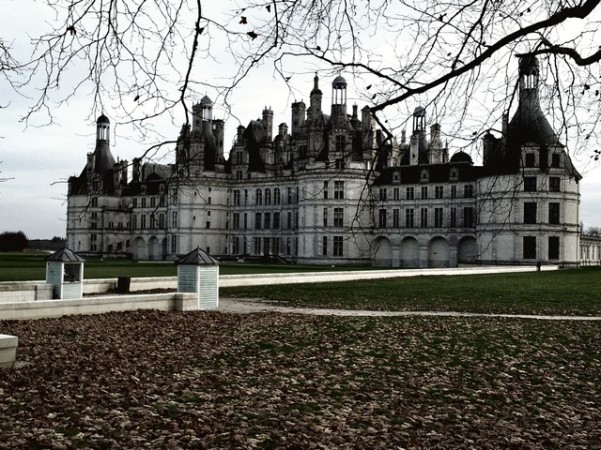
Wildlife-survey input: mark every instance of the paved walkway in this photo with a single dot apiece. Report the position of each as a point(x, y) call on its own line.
point(246, 306)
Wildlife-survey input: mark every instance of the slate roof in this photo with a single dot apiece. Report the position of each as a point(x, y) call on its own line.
point(65, 255)
point(197, 257)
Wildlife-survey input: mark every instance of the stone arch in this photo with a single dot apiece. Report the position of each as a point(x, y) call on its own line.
point(467, 250)
point(438, 252)
point(409, 252)
point(154, 249)
point(139, 249)
point(382, 252)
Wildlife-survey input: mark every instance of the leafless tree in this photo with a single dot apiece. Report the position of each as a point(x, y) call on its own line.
point(147, 58)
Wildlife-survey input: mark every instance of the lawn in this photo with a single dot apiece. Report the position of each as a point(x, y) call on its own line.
point(210, 380)
point(28, 266)
point(575, 291)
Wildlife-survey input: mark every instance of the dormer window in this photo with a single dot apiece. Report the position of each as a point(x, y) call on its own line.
point(425, 176)
point(396, 177)
point(555, 160)
point(454, 174)
point(530, 160)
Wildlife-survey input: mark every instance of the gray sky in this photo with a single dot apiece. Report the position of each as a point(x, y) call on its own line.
point(39, 159)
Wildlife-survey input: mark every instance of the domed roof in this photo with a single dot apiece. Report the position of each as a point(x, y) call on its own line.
point(206, 101)
point(103, 119)
point(461, 157)
point(339, 82)
point(419, 111)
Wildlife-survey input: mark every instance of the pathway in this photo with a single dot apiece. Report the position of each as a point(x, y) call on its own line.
point(246, 306)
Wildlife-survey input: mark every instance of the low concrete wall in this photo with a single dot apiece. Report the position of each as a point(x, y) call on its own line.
point(323, 277)
point(25, 291)
point(97, 305)
point(8, 350)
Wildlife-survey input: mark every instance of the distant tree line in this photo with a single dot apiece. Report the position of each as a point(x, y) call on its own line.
point(11, 241)
point(16, 241)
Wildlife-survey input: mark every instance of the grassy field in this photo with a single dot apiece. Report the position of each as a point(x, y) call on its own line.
point(155, 380)
point(575, 291)
point(28, 266)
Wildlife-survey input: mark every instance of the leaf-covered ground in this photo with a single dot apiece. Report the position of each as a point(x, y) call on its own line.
point(210, 380)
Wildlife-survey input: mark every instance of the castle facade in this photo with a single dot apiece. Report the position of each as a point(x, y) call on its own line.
point(332, 189)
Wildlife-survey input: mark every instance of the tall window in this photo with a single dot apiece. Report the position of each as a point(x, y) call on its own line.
point(555, 160)
point(325, 189)
point(161, 221)
point(382, 218)
point(383, 194)
point(245, 221)
point(174, 219)
point(453, 219)
point(236, 197)
point(553, 247)
point(468, 217)
point(554, 213)
point(258, 221)
point(453, 191)
point(410, 193)
point(276, 196)
point(409, 220)
point(396, 194)
point(340, 143)
point(324, 245)
point(529, 247)
point(268, 196)
point(424, 217)
point(396, 218)
point(258, 197)
point(338, 217)
point(468, 190)
point(325, 217)
point(554, 184)
point(235, 245)
point(338, 246)
point(339, 190)
point(267, 221)
point(424, 192)
point(438, 191)
point(438, 217)
point(257, 245)
point(289, 221)
point(276, 220)
point(530, 212)
point(245, 196)
point(236, 222)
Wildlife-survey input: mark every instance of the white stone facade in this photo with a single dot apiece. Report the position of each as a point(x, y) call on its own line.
point(333, 191)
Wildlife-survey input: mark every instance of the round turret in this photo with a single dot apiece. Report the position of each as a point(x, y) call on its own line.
point(528, 65)
point(103, 119)
point(339, 83)
point(206, 101)
point(420, 111)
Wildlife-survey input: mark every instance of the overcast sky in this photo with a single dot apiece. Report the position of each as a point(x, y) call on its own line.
point(38, 160)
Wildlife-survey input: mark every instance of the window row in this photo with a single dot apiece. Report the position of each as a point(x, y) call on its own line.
point(427, 218)
point(264, 245)
point(264, 196)
point(531, 184)
point(531, 213)
point(530, 248)
point(425, 192)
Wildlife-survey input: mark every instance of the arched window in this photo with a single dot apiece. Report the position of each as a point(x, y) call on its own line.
point(268, 196)
point(276, 196)
point(258, 197)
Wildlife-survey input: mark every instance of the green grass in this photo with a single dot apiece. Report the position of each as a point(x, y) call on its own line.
point(575, 291)
point(31, 266)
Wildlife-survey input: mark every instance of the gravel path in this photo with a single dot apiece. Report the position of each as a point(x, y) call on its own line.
point(246, 306)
